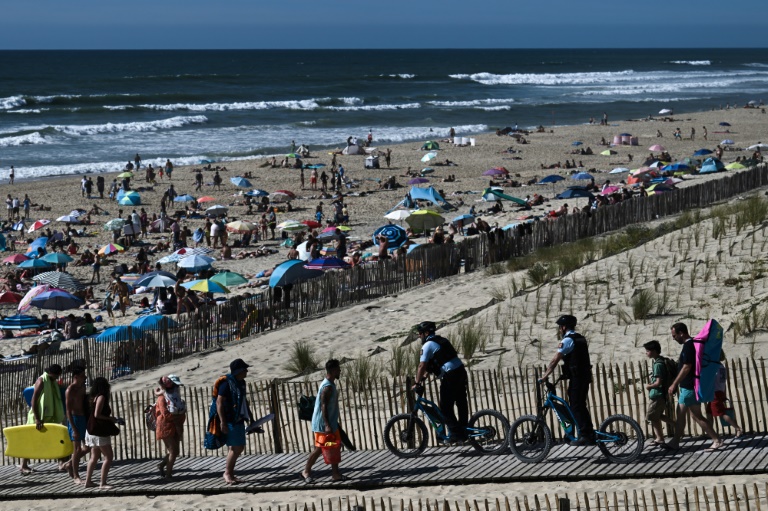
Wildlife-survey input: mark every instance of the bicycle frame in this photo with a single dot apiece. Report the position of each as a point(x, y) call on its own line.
point(435, 417)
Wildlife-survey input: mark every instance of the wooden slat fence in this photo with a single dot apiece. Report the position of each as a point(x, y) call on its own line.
point(617, 388)
point(733, 497)
point(244, 316)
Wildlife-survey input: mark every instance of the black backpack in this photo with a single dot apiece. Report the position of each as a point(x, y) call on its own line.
point(306, 407)
point(670, 372)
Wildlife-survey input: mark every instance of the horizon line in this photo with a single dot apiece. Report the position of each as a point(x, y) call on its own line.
point(358, 50)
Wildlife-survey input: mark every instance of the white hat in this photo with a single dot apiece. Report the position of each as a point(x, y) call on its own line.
point(175, 379)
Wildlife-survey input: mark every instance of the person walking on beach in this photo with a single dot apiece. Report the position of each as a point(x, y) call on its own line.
point(658, 409)
point(687, 401)
point(574, 352)
point(233, 411)
point(12, 175)
point(171, 412)
point(325, 421)
point(388, 156)
point(272, 221)
point(313, 179)
point(301, 176)
point(198, 180)
point(46, 405)
point(168, 169)
point(717, 407)
point(27, 205)
point(137, 162)
point(77, 418)
point(704, 129)
point(100, 186)
point(98, 438)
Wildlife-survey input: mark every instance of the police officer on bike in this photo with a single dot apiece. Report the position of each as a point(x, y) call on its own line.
point(574, 353)
point(439, 357)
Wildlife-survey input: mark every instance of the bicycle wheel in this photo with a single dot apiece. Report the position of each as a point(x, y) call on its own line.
point(487, 432)
point(620, 439)
point(529, 439)
point(405, 435)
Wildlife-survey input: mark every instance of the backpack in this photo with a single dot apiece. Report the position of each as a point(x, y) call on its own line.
point(150, 416)
point(306, 408)
point(670, 372)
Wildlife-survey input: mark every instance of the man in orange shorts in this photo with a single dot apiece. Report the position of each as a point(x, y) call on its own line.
point(325, 420)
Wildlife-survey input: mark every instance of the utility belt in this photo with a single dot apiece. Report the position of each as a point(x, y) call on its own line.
point(452, 372)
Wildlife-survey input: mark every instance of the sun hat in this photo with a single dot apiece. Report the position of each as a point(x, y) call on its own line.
point(238, 366)
point(175, 379)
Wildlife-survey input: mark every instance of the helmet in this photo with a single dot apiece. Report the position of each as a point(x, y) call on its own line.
point(426, 327)
point(567, 321)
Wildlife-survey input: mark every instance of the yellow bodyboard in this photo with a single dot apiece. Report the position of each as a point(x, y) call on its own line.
point(50, 443)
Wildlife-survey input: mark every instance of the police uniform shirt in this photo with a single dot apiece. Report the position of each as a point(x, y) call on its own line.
point(429, 349)
point(566, 345)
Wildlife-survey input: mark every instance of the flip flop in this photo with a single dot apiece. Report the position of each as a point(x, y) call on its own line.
point(714, 448)
point(664, 446)
point(308, 479)
point(342, 478)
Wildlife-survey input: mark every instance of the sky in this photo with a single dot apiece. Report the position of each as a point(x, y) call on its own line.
point(296, 24)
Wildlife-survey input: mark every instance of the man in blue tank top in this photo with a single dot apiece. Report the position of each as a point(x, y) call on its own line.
point(439, 357)
point(325, 420)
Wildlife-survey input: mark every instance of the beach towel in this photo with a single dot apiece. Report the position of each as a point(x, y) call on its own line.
point(50, 407)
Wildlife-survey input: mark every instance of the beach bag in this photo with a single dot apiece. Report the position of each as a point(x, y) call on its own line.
point(150, 417)
point(306, 408)
point(214, 438)
point(101, 427)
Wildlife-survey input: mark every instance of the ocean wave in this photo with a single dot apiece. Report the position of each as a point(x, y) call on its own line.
point(472, 103)
point(28, 111)
point(94, 129)
point(544, 78)
point(494, 108)
point(12, 102)
point(662, 88)
point(34, 138)
point(691, 62)
point(404, 76)
point(756, 64)
point(378, 108)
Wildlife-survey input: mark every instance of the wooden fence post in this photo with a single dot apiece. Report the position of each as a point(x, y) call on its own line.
point(563, 504)
point(274, 403)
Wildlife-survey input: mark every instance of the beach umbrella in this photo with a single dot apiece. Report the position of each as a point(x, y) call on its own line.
point(154, 321)
point(418, 181)
point(10, 297)
point(170, 258)
point(38, 225)
point(19, 226)
point(465, 219)
point(42, 241)
point(114, 224)
point(147, 276)
point(608, 190)
point(125, 175)
point(702, 152)
point(658, 188)
point(25, 303)
point(256, 193)
point(710, 165)
point(57, 258)
point(582, 176)
point(619, 170)
point(291, 226)
point(724, 123)
point(217, 210)
point(280, 197)
point(240, 182)
point(330, 235)
point(658, 164)
point(301, 248)
point(110, 248)
point(496, 172)
point(155, 281)
point(130, 199)
point(312, 224)
point(184, 198)
point(577, 143)
point(758, 147)
point(287, 192)
point(291, 272)
point(737, 165)
point(196, 262)
point(35, 263)
point(398, 215)
point(16, 259)
point(69, 219)
point(425, 219)
point(552, 178)
point(22, 322)
point(119, 333)
point(426, 170)
point(328, 263)
point(665, 111)
point(60, 280)
point(394, 233)
point(574, 193)
point(657, 147)
point(241, 226)
point(429, 157)
point(56, 299)
point(609, 152)
point(206, 198)
point(188, 251)
point(674, 167)
point(206, 286)
point(229, 278)
point(727, 141)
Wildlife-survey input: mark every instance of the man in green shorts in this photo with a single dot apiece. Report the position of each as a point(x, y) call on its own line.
point(687, 401)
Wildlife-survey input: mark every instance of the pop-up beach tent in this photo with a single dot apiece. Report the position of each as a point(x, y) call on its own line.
point(353, 149)
point(428, 194)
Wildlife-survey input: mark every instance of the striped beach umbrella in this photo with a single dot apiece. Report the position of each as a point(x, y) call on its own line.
point(59, 279)
point(110, 248)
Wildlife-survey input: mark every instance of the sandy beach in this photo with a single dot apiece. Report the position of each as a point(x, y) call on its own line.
point(689, 267)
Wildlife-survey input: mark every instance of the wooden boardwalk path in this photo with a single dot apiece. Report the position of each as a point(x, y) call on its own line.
point(372, 469)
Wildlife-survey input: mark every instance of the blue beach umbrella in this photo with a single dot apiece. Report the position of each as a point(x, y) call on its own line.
point(119, 333)
point(674, 167)
point(257, 193)
point(184, 198)
point(328, 263)
point(35, 263)
point(466, 219)
point(725, 123)
point(240, 182)
point(21, 322)
point(196, 262)
point(552, 178)
point(57, 258)
point(155, 281)
point(583, 176)
point(130, 199)
point(702, 152)
point(291, 272)
point(154, 321)
point(395, 234)
point(56, 299)
point(39, 242)
point(574, 193)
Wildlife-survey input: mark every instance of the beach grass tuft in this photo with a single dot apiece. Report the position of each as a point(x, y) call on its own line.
point(302, 358)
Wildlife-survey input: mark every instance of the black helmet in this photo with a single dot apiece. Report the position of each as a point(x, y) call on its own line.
point(426, 327)
point(567, 321)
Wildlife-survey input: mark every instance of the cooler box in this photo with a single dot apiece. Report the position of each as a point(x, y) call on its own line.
point(372, 162)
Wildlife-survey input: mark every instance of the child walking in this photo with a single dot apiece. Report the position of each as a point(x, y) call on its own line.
point(658, 409)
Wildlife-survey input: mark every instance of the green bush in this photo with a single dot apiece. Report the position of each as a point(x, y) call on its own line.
point(301, 358)
point(538, 274)
point(643, 303)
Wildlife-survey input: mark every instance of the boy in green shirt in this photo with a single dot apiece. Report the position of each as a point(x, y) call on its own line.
point(657, 393)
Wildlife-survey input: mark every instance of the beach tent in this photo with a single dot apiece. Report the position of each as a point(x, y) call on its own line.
point(130, 199)
point(490, 194)
point(428, 194)
point(353, 149)
point(711, 165)
point(430, 146)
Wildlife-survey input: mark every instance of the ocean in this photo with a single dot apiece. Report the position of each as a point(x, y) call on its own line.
point(71, 112)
